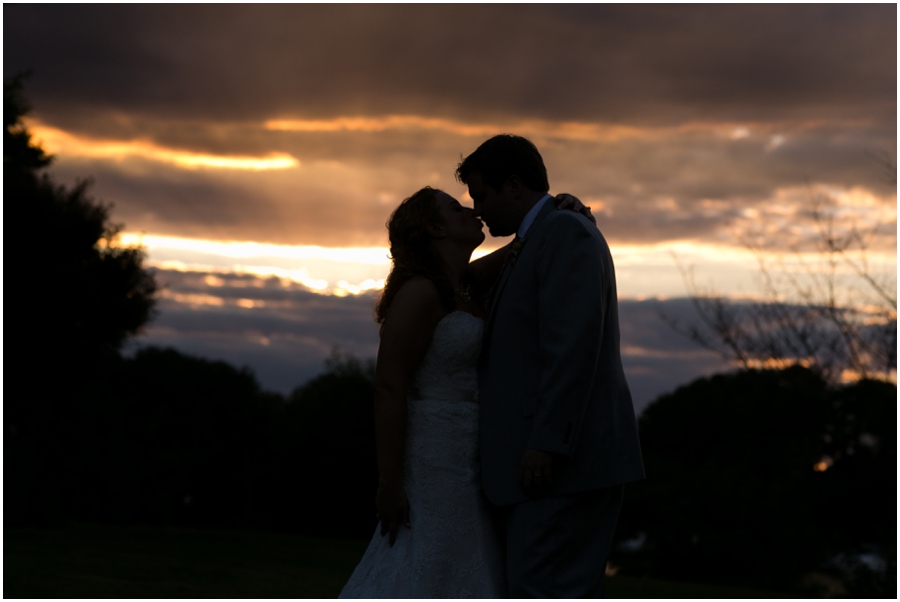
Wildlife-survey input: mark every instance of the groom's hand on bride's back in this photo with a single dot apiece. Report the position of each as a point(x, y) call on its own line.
point(392, 509)
point(536, 472)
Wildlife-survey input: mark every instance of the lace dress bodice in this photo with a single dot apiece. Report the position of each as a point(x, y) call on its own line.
point(451, 549)
point(451, 359)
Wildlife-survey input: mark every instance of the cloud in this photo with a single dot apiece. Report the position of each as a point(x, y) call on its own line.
point(657, 359)
point(638, 64)
point(54, 141)
point(285, 332)
point(674, 120)
point(279, 329)
point(649, 185)
point(687, 128)
point(703, 125)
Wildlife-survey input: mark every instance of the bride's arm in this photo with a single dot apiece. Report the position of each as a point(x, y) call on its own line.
point(405, 335)
point(485, 270)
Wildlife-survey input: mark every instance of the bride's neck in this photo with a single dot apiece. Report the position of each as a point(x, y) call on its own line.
point(456, 262)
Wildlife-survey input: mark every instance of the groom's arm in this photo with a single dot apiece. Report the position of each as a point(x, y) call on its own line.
point(573, 288)
point(484, 271)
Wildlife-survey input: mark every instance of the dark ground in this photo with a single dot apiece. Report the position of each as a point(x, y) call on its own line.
point(100, 561)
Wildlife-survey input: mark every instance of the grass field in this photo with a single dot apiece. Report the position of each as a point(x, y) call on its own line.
point(97, 561)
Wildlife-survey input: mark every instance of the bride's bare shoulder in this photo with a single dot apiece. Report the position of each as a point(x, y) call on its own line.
point(419, 288)
point(418, 296)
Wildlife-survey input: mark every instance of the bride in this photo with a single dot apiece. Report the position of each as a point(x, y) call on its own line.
point(436, 537)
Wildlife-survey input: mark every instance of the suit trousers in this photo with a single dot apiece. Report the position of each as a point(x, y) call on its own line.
point(557, 546)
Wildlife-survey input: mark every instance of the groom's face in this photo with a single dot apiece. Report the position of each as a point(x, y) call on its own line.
point(494, 208)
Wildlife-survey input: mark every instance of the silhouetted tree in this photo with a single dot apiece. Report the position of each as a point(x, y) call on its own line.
point(827, 308)
point(77, 296)
point(161, 437)
point(758, 478)
point(78, 286)
point(325, 438)
point(176, 439)
point(21, 158)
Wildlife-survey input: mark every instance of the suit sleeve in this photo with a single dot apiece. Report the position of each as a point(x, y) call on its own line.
point(572, 298)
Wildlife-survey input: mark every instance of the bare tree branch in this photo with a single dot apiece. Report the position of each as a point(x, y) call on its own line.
point(808, 313)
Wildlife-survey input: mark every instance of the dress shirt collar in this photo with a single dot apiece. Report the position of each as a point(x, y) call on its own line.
point(529, 217)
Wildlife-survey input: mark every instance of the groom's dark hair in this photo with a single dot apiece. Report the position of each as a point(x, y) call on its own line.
point(503, 156)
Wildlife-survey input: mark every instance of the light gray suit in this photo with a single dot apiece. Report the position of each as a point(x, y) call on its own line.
point(551, 378)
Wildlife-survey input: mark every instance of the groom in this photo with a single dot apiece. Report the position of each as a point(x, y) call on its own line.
point(558, 432)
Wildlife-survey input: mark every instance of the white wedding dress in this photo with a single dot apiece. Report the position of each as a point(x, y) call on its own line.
point(451, 548)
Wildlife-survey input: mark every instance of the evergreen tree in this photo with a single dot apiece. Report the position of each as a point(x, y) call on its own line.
point(77, 298)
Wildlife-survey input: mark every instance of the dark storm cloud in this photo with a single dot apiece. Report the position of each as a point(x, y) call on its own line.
point(635, 63)
point(286, 339)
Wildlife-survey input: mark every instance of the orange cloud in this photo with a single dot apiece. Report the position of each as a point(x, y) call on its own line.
point(339, 271)
point(567, 130)
point(55, 141)
point(250, 249)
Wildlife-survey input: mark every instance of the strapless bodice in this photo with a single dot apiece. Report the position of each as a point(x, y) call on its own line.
point(449, 368)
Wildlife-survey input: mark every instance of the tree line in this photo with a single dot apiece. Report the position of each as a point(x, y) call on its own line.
point(160, 437)
point(758, 478)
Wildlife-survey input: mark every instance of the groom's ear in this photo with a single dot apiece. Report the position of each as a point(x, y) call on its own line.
point(513, 187)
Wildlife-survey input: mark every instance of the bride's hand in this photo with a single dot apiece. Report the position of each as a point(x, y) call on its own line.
point(392, 508)
point(567, 201)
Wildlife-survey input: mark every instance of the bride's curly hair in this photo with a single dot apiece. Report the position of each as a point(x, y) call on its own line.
point(411, 250)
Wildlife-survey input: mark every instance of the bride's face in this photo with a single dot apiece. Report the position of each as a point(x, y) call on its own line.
point(460, 223)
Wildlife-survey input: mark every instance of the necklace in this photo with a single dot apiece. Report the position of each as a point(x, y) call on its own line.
point(465, 294)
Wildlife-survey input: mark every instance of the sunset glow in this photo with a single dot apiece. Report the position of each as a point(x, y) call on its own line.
point(256, 163)
point(246, 249)
point(565, 130)
point(771, 133)
point(299, 276)
point(55, 141)
point(643, 270)
point(294, 263)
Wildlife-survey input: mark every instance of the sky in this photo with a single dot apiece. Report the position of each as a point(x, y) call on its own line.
point(257, 151)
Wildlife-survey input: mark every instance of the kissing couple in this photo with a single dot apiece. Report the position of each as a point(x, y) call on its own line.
point(505, 429)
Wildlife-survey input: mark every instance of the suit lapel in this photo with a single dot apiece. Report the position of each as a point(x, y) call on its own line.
point(504, 277)
point(498, 290)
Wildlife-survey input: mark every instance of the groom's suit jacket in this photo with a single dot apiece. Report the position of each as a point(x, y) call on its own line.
point(550, 373)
